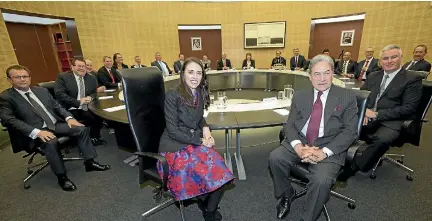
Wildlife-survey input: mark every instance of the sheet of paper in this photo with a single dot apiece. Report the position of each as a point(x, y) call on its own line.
point(110, 90)
point(105, 97)
point(344, 78)
point(117, 108)
point(283, 112)
point(356, 88)
point(349, 82)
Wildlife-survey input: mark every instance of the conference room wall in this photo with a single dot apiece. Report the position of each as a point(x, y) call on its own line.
point(142, 28)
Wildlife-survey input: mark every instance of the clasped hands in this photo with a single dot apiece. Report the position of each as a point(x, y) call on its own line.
point(309, 154)
point(207, 139)
point(85, 100)
point(369, 115)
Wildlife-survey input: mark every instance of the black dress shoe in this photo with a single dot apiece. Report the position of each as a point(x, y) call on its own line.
point(283, 208)
point(98, 141)
point(95, 166)
point(66, 184)
point(212, 216)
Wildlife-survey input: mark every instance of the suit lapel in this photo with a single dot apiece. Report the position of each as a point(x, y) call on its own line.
point(331, 104)
point(22, 100)
point(395, 80)
point(74, 84)
point(307, 110)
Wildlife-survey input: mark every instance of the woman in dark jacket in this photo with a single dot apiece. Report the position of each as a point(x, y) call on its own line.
point(118, 62)
point(248, 63)
point(195, 168)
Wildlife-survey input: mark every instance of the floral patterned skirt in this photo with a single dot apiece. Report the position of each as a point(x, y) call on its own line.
point(195, 170)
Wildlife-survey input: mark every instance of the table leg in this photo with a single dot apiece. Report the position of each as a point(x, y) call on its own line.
point(227, 155)
point(239, 160)
point(268, 82)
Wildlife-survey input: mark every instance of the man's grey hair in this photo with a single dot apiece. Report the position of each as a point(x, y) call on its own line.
point(319, 58)
point(390, 47)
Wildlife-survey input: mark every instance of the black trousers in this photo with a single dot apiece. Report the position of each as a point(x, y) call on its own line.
point(379, 138)
point(211, 200)
point(90, 120)
point(52, 152)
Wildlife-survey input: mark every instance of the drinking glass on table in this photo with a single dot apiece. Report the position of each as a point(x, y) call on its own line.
point(288, 91)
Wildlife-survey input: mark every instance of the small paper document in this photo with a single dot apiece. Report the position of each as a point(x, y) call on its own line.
point(110, 90)
point(106, 97)
point(356, 88)
point(283, 112)
point(205, 113)
point(350, 82)
point(117, 108)
point(339, 79)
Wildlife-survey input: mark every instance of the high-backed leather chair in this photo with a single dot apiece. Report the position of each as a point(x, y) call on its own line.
point(299, 171)
point(48, 85)
point(144, 96)
point(411, 131)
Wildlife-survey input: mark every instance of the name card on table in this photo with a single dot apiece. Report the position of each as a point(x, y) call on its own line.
point(356, 88)
point(349, 82)
point(105, 97)
point(117, 108)
point(344, 78)
point(283, 112)
point(110, 90)
point(270, 99)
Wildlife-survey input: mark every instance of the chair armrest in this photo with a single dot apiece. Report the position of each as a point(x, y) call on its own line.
point(407, 124)
point(352, 152)
point(162, 160)
point(424, 120)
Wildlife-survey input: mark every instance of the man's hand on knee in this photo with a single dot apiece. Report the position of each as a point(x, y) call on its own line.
point(45, 136)
point(313, 155)
point(72, 122)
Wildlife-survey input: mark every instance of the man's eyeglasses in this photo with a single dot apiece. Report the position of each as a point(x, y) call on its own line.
point(80, 66)
point(25, 77)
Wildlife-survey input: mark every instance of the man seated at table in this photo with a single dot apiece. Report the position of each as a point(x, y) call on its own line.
point(298, 61)
point(322, 124)
point(138, 63)
point(278, 60)
point(107, 76)
point(418, 63)
point(90, 71)
point(179, 63)
point(346, 67)
point(224, 63)
point(162, 65)
point(395, 95)
point(367, 66)
point(206, 63)
point(34, 113)
point(74, 91)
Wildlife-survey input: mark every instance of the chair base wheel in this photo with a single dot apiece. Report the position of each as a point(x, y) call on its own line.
point(409, 178)
point(400, 161)
point(372, 177)
point(351, 205)
point(26, 186)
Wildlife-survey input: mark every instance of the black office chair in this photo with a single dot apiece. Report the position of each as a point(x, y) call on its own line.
point(48, 85)
point(144, 95)
point(19, 143)
point(410, 133)
point(299, 171)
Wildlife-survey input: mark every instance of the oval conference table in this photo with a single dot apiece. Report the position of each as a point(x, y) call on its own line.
point(238, 114)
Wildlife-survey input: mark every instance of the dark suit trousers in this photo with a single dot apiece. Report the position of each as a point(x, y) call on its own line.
point(52, 152)
point(90, 120)
point(379, 138)
point(321, 178)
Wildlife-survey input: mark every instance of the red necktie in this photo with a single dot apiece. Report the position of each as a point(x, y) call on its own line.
point(315, 120)
point(363, 72)
point(112, 76)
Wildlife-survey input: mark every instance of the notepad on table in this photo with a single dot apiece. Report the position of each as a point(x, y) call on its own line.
point(117, 108)
point(283, 112)
point(110, 90)
point(105, 97)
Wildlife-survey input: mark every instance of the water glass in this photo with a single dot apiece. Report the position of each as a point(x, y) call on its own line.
point(221, 94)
point(211, 98)
point(288, 91)
point(222, 102)
point(281, 95)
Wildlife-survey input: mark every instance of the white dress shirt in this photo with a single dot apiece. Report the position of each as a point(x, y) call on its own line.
point(321, 128)
point(36, 131)
point(79, 91)
point(164, 68)
point(368, 63)
point(345, 66)
point(112, 72)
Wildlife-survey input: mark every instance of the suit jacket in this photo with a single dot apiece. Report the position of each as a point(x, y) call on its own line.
point(124, 66)
point(220, 64)
point(104, 78)
point(17, 113)
point(281, 60)
point(156, 64)
point(136, 66)
point(399, 100)
point(373, 66)
point(206, 64)
point(421, 65)
point(340, 121)
point(184, 123)
point(244, 64)
point(66, 89)
point(177, 66)
point(352, 65)
point(301, 62)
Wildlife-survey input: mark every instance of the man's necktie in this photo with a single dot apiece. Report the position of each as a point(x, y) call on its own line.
point(315, 120)
point(345, 67)
point(84, 107)
point(381, 90)
point(363, 71)
point(296, 61)
point(411, 64)
point(41, 112)
point(112, 76)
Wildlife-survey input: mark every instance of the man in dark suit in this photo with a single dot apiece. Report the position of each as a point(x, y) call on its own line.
point(90, 71)
point(367, 66)
point(418, 63)
point(138, 63)
point(224, 63)
point(107, 75)
point(298, 61)
point(395, 95)
point(162, 65)
point(34, 113)
point(278, 59)
point(179, 63)
point(322, 124)
point(74, 90)
point(326, 51)
point(346, 67)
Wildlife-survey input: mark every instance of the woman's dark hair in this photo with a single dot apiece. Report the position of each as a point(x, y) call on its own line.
point(202, 89)
point(115, 58)
point(249, 55)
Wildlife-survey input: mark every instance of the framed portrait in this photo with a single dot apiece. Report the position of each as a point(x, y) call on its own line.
point(347, 38)
point(196, 43)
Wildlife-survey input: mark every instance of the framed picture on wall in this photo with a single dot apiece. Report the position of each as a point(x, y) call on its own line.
point(196, 43)
point(347, 38)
